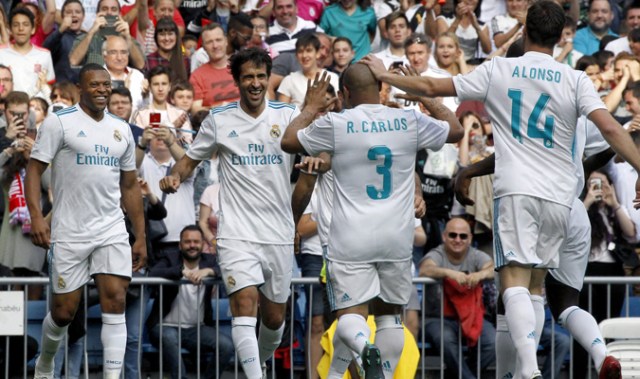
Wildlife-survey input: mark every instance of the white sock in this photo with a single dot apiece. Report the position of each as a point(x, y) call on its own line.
point(506, 356)
point(114, 343)
point(585, 330)
point(268, 341)
point(340, 360)
point(243, 333)
point(354, 331)
point(390, 340)
point(522, 327)
point(52, 335)
point(538, 306)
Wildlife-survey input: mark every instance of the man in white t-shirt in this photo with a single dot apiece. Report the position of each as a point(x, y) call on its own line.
point(368, 256)
point(543, 99)
point(91, 154)
point(397, 27)
point(255, 261)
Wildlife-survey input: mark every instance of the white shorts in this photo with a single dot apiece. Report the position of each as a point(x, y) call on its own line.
point(529, 231)
point(351, 284)
point(269, 267)
point(73, 264)
point(575, 255)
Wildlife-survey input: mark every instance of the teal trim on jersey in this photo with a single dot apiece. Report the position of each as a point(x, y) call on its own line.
point(117, 118)
point(66, 111)
point(497, 243)
point(223, 108)
point(330, 295)
point(280, 104)
point(50, 263)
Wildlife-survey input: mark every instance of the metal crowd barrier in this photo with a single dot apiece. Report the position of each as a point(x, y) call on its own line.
point(424, 370)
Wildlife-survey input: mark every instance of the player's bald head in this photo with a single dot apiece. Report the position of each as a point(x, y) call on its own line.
point(358, 77)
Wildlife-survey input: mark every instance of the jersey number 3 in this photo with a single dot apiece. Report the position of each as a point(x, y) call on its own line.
point(383, 169)
point(546, 133)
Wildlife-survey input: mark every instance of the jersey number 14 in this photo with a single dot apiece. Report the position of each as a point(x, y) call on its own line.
point(533, 131)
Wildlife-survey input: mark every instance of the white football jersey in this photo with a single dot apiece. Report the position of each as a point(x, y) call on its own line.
point(322, 205)
point(374, 149)
point(534, 103)
point(86, 158)
point(255, 190)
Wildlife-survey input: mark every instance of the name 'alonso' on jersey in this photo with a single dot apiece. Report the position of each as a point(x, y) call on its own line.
point(87, 157)
point(374, 149)
point(255, 191)
point(534, 103)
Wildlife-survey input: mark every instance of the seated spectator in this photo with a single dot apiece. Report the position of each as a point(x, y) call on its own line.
point(120, 105)
point(39, 108)
point(343, 54)
point(294, 86)
point(31, 66)
point(61, 41)
point(260, 34)
point(287, 26)
point(116, 56)
point(471, 32)
point(169, 52)
point(563, 51)
point(599, 19)
point(182, 96)
point(626, 69)
point(143, 26)
point(87, 47)
point(190, 44)
point(170, 116)
point(64, 94)
point(449, 56)
point(505, 26)
point(397, 30)
point(212, 82)
point(632, 21)
point(187, 314)
point(346, 18)
point(462, 269)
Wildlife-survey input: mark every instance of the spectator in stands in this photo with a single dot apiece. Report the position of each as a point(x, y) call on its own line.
point(347, 18)
point(6, 85)
point(4, 30)
point(63, 94)
point(87, 47)
point(169, 52)
point(260, 34)
point(589, 65)
point(116, 54)
point(144, 26)
point(462, 269)
point(448, 54)
point(564, 51)
point(343, 54)
point(39, 108)
point(61, 41)
point(238, 34)
point(164, 151)
point(294, 86)
point(599, 18)
point(212, 82)
point(190, 44)
point(325, 56)
point(29, 64)
point(626, 69)
point(632, 21)
point(186, 312)
point(120, 105)
point(421, 16)
point(505, 26)
point(17, 103)
point(44, 21)
point(397, 30)
point(287, 26)
point(182, 96)
point(471, 32)
point(173, 117)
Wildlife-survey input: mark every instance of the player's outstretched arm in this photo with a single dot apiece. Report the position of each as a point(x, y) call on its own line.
point(464, 176)
point(40, 232)
point(132, 202)
point(620, 141)
point(315, 102)
point(421, 86)
point(179, 173)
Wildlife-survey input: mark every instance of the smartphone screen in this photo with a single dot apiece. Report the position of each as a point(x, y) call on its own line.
point(154, 119)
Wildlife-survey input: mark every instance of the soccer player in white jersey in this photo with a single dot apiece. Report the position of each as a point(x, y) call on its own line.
point(256, 231)
point(564, 284)
point(91, 154)
point(534, 103)
point(369, 253)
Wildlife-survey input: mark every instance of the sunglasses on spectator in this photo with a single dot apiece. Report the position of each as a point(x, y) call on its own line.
point(463, 236)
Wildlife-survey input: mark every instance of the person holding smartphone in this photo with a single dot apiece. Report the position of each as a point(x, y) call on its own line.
point(17, 119)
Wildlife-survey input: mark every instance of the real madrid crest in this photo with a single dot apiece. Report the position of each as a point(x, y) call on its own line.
point(117, 136)
point(275, 131)
point(231, 282)
point(61, 283)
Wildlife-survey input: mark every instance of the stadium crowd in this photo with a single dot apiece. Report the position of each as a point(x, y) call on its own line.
point(168, 62)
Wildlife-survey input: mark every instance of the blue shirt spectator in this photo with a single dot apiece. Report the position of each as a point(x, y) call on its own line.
point(356, 23)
